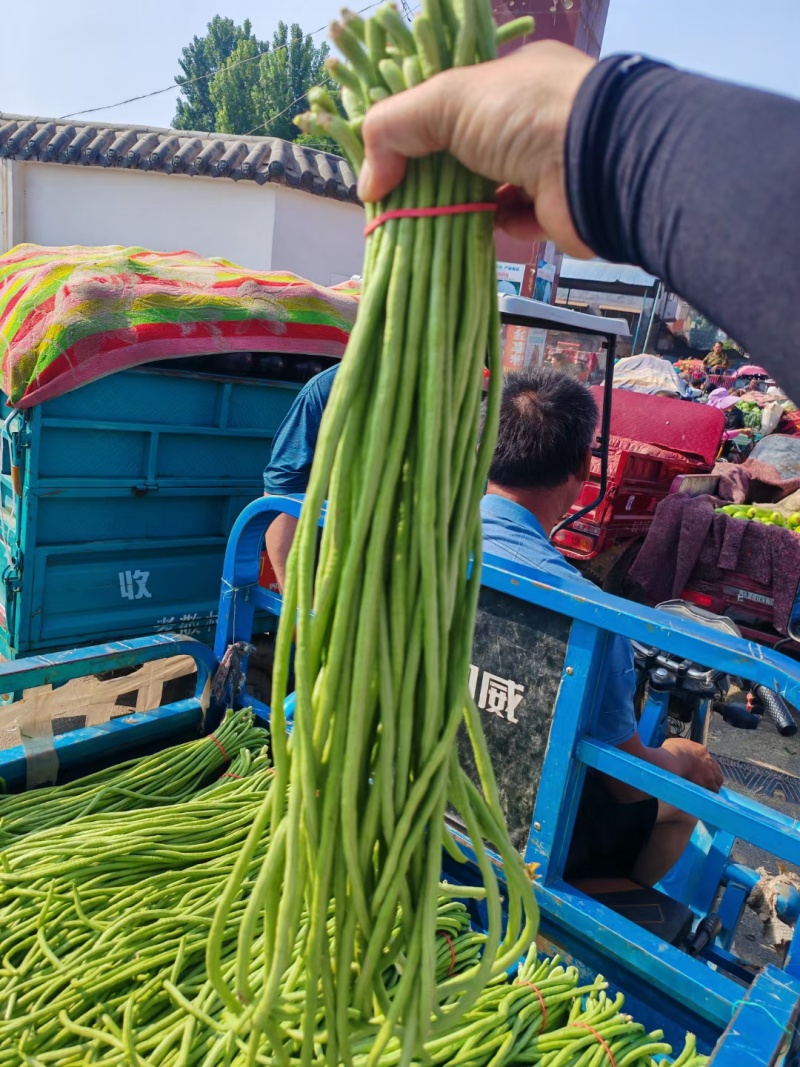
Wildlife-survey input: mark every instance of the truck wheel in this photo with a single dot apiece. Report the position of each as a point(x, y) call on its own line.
point(618, 582)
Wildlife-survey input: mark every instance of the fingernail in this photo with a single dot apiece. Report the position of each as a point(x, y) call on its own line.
point(364, 180)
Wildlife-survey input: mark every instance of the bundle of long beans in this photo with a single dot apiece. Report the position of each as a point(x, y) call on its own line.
point(384, 620)
point(150, 781)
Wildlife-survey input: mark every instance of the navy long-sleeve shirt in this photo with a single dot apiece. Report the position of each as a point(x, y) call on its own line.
point(697, 181)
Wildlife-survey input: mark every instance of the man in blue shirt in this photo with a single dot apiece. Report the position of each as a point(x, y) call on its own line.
point(290, 464)
point(542, 458)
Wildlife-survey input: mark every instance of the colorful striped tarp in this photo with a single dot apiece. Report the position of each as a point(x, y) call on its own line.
point(71, 315)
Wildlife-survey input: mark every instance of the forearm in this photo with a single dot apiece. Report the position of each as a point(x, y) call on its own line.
point(658, 757)
point(279, 540)
point(694, 180)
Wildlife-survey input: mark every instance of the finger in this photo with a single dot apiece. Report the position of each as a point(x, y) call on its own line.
point(406, 126)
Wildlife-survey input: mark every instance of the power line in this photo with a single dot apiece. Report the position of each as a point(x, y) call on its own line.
point(202, 77)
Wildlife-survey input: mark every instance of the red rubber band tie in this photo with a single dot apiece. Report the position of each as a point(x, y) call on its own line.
point(426, 213)
point(219, 746)
point(536, 990)
point(591, 1029)
point(449, 941)
point(228, 774)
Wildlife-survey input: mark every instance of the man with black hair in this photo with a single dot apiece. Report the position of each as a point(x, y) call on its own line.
point(548, 423)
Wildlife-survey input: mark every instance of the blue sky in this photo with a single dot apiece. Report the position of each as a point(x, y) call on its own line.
point(62, 57)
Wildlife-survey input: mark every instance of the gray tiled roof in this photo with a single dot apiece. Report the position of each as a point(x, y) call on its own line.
point(215, 155)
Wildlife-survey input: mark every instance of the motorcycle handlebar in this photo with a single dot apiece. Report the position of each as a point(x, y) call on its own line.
point(777, 710)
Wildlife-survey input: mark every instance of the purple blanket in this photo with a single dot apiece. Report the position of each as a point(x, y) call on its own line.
point(687, 533)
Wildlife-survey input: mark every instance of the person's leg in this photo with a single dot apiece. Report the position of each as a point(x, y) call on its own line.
point(668, 838)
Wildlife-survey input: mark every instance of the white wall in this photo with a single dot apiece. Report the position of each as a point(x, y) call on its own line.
point(319, 239)
point(263, 227)
point(92, 206)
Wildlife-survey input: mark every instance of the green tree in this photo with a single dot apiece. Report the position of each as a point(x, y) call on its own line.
point(244, 86)
point(287, 72)
point(234, 90)
point(200, 62)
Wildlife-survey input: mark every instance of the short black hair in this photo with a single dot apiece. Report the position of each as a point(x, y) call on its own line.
point(547, 422)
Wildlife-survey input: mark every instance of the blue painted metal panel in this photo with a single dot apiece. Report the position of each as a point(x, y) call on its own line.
point(763, 1032)
point(733, 812)
point(130, 487)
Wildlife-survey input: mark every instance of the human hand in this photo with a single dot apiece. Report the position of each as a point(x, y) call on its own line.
point(694, 763)
point(506, 120)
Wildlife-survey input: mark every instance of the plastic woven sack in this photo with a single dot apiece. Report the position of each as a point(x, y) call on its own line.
point(71, 315)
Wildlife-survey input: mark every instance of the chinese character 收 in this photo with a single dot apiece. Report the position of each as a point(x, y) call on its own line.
point(126, 582)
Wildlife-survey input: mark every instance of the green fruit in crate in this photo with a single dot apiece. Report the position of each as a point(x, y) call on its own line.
point(794, 519)
point(777, 518)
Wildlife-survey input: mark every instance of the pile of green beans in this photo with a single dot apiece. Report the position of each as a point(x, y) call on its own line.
point(99, 919)
point(111, 969)
point(166, 777)
point(384, 615)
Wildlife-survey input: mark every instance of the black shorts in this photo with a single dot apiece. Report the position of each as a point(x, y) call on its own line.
point(608, 835)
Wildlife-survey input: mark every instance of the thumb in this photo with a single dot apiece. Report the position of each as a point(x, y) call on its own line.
point(409, 125)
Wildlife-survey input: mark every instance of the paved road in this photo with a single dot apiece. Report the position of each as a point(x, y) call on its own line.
point(763, 749)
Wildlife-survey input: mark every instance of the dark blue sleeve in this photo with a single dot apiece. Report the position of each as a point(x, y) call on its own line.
point(293, 447)
point(695, 180)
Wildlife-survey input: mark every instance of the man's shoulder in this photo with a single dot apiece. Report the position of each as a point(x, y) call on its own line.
point(319, 387)
point(509, 534)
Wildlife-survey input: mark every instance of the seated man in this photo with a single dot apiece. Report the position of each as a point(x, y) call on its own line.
point(542, 458)
point(290, 464)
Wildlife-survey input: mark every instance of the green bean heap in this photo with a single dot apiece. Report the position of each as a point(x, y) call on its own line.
point(149, 781)
point(103, 932)
point(104, 929)
point(104, 925)
point(384, 618)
